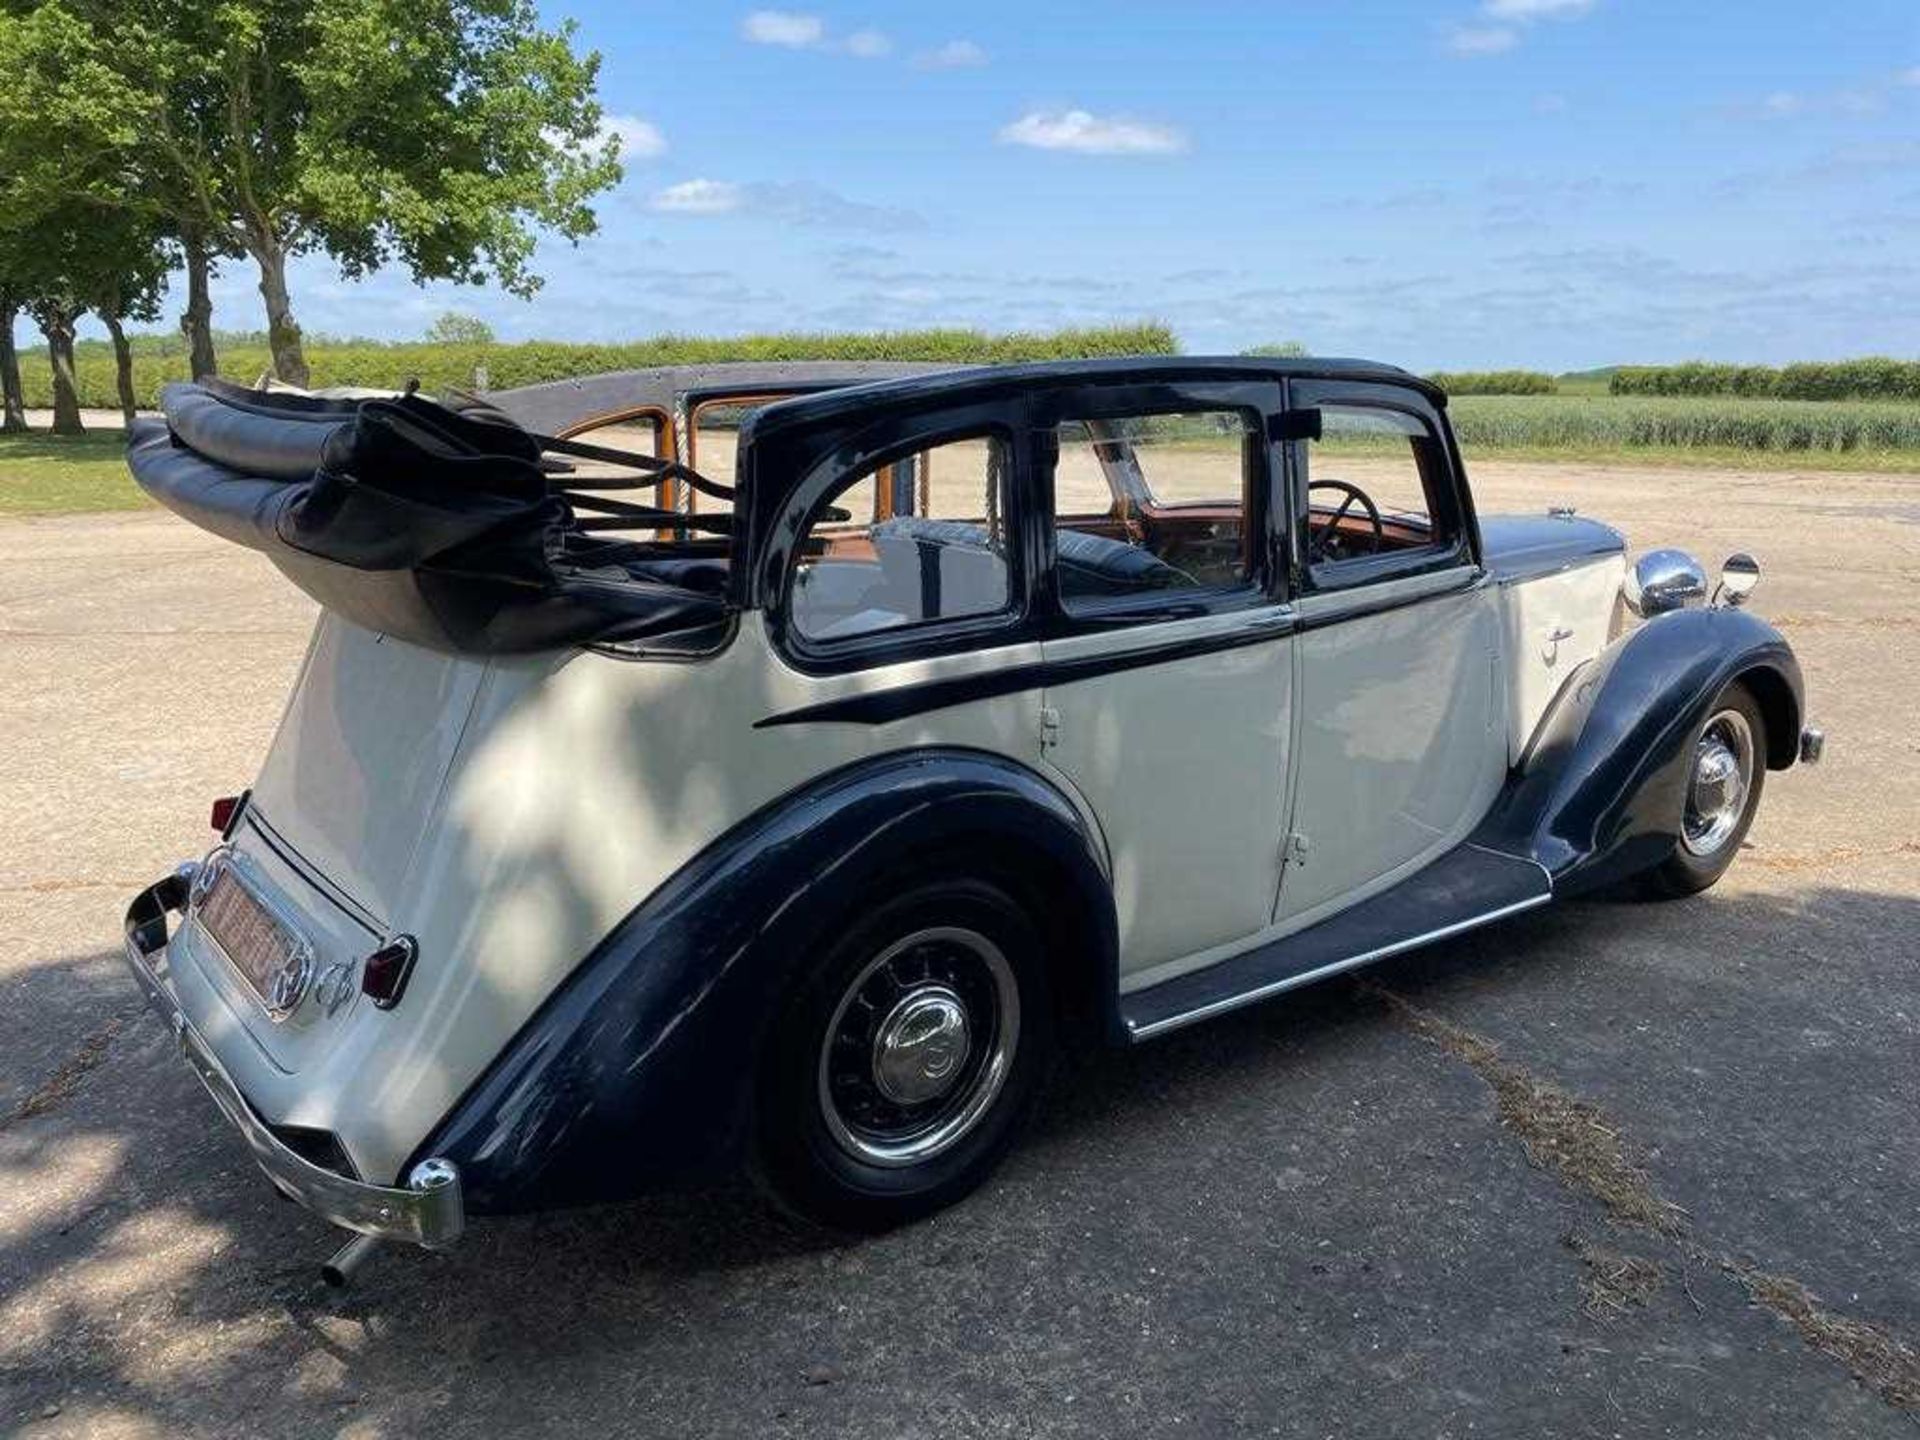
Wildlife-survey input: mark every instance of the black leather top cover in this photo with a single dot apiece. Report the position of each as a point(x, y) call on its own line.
point(421, 522)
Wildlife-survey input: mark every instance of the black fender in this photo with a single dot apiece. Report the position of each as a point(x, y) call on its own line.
point(1600, 792)
point(639, 1069)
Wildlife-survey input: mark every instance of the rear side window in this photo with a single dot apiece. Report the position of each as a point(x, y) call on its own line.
point(919, 540)
point(1151, 503)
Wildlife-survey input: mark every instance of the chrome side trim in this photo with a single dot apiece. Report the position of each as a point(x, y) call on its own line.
point(1352, 962)
point(427, 1211)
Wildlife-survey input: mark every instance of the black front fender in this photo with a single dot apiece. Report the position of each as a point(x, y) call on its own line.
point(1600, 793)
point(640, 1067)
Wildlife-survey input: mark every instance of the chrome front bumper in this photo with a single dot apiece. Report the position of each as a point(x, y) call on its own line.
point(427, 1211)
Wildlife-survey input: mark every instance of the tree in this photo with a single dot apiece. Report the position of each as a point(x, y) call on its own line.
point(440, 134)
point(453, 328)
point(123, 279)
point(63, 257)
point(1279, 350)
point(71, 131)
point(13, 411)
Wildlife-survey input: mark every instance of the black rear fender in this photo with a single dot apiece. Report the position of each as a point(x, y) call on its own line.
point(640, 1067)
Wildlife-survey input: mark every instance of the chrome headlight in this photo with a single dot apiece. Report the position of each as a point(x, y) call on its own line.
point(1663, 580)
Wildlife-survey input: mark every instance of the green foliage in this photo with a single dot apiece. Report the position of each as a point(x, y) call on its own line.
point(1875, 378)
point(1493, 382)
point(1585, 382)
point(439, 134)
point(1278, 350)
point(1579, 423)
point(439, 367)
point(454, 328)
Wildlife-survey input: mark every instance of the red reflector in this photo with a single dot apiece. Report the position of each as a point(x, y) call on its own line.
point(224, 810)
point(383, 975)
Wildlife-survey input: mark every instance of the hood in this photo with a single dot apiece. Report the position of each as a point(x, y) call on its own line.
point(1519, 547)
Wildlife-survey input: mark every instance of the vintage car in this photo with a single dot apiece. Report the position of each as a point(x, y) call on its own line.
point(630, 826)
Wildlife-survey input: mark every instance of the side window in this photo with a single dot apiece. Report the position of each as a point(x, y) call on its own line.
point(919, 540)
point(715, 443)
point(642, 433)
point(1148, 503)
point(1372, 485)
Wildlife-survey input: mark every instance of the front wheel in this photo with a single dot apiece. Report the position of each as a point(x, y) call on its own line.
point(1727, 769)
point(897, 1074)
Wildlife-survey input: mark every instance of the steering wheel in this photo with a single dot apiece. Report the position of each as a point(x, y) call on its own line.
point(1324, 540)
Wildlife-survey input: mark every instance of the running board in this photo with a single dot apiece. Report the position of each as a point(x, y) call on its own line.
point(1467, 887)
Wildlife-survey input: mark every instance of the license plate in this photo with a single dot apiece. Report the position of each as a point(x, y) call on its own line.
point(269, 956)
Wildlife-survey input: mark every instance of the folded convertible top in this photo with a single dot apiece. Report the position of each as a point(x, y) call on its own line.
point(434, 525)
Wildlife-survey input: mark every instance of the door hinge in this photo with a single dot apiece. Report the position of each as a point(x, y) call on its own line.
point(1049, 727)
point(1295, 852)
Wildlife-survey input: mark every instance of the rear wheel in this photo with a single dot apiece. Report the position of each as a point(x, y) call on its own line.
point(898, 1073)
point(1727, 770)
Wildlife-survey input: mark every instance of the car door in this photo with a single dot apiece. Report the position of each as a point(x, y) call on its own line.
point(1168, 654)
point(1400, 744)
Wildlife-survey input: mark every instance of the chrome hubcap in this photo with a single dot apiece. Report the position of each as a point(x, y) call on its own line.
point(919, 1046)
point(1723, 763)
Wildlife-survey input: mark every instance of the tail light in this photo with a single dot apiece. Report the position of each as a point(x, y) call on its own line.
point(226, 810)
point(384, 973)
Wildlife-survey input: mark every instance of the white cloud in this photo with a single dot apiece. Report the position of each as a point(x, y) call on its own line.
point(1482, 39)
point(1525, 10)
point(639, 139)
point(1783, 102)
point(1500, 24)
point(1091, 134)
point(964, 55)
point(788, 202)
point(868, 45)
point(698, 197)
point(783, 27)
point(1911, 77)
point(1550, 105)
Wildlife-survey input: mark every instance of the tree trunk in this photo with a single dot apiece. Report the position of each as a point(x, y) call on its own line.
point(122, 368)
point(13, 404)
point(197, 321)
point(57, 326)
point(283, 336)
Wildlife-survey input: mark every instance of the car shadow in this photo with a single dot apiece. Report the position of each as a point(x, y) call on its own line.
point(133, 1211)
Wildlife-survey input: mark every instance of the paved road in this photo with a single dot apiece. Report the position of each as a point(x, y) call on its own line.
point(1608, 1170)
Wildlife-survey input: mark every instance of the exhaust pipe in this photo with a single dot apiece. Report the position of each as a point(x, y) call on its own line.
point(339, 1269)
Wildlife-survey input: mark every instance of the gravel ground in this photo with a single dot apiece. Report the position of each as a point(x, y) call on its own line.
point(1610, 1169)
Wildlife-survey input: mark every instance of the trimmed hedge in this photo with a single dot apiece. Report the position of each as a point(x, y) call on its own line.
point(1494, 382)
point(1875, 378)
point(438, 367)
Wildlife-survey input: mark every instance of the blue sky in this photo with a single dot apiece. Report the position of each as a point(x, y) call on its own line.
point(1439, 183)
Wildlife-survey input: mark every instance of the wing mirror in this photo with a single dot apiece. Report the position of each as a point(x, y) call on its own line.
point(1738, 576)
point(1663, 580)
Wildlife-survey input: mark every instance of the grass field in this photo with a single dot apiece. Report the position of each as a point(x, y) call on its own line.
point(56, 475)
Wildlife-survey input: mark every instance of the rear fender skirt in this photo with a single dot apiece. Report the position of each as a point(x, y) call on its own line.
point(639, 1069)
point(1599, 793)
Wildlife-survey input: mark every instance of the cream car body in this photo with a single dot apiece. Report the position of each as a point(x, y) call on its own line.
point(609, 859)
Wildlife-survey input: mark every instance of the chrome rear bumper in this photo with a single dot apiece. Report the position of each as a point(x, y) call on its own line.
point(427, 1211)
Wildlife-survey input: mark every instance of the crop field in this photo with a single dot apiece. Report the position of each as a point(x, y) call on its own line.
point(1861, 434)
